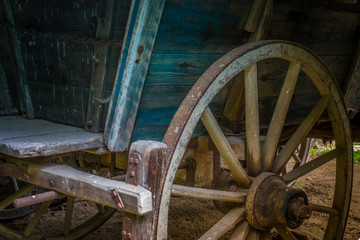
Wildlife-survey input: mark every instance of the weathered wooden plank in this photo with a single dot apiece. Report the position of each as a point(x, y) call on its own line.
point(202, 26)
point(28, 138)
point(22, 81)
point(59, 103)
point(100, 56)
point(75, 183)
point(143, 23)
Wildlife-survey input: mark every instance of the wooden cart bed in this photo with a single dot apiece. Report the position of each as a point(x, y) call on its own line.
point(20, 137)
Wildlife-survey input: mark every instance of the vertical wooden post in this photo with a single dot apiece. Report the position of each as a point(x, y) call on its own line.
point(145, 168)
point(95, 106)
point(143, 23)
point(22, 81)
point(6, 103)
point(258, 24)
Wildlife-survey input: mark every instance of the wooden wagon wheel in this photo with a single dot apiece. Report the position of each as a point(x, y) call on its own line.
point(261, 178)
point(10, 232)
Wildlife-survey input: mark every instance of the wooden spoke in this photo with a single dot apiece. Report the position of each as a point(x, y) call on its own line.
point(252, 121)
point(9, 200)
point(309, 166)
point(68, 215)
point(296, 158)
point(211, 194)
point(224, 148)
point(265, 235)
point(278, 118)
point(253, 235)
point(285, 233)
point(300, 134)
point(241, 231)
point(324, 209)
point(227, 222)
point(35, 220)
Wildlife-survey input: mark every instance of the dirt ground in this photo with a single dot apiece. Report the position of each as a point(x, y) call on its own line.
point(190, 218)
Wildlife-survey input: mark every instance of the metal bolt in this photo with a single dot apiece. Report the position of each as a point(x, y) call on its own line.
point(51, 182)
point(123, 233)
point(132, 174)
point(131, 160)
point(89, 123)
point(140, 49)
point(129, 235)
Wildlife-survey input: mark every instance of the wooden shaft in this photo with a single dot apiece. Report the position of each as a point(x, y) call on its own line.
point(241, 231)
point(227, 222)
point(312, 165)
point(68, 215)
point(35, 220)
point(323, 209)
point(252, 121)
point(278, 118)
point(9, 200)
point(224, 148)
point(285, 233)
point(300, 134)
point(254, 15)
point(211, 194)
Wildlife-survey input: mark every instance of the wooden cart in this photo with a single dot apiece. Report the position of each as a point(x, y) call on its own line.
point(102, 101)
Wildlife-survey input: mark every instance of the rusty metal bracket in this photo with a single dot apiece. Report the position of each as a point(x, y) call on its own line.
point(134, 167)
point(118, 200)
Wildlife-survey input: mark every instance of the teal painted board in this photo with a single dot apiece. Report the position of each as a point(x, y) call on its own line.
point(211, 26)
point(143, 23)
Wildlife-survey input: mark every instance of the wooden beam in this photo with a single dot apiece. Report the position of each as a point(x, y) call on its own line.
point(75, 183)
point(95, 105)
point(351, 88)
point(22, 81)
point(146, 164)
point(143, 22)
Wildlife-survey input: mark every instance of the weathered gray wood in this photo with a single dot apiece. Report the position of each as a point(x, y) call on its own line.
point(75, 183)
point(252, 121)
point(146, 163)
point(203, 193)
point(224, 148)
point(22, 81)
point(22, 138)
point(143, 23)
point(95, 106)
point(227, 222)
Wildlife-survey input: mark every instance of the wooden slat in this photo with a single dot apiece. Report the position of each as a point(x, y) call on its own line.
point(143, 23)
point(184, 191)
point(95, 106)
point(254, 15)
point(22, 81)
point(75, 183)
point(20, 137)
point(227, 222)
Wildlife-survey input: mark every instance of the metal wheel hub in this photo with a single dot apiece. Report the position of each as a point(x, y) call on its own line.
point(272, 203)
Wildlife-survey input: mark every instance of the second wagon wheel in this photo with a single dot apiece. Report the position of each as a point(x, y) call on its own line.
point(266, 201)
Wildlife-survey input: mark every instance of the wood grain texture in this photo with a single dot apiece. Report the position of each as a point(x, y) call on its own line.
point(97, 85)
point(142, 28)
point(21, 79)
point(75, 183)
point(30, 138)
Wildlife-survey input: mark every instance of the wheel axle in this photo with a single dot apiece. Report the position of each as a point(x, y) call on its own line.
point(271, 203)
